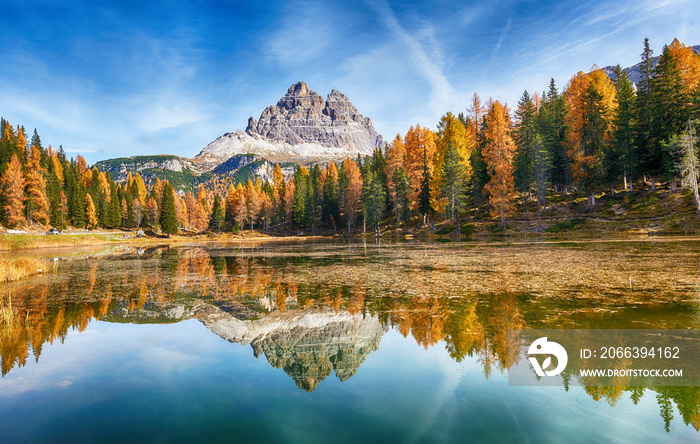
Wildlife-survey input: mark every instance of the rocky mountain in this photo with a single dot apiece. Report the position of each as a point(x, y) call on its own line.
point(180, 171)
point(633, 71)
point(307, 346)
point(300, 127)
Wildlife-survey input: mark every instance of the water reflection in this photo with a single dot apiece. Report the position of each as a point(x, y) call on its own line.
point(312, 312)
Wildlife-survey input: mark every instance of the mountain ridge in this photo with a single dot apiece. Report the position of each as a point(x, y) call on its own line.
point(302, 126)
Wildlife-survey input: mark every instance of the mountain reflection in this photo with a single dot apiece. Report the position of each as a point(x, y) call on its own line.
point(297, 311)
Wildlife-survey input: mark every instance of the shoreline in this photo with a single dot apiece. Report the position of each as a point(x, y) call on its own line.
point(19, 242)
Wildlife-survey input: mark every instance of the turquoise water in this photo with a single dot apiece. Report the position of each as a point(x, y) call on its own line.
point(174, 360)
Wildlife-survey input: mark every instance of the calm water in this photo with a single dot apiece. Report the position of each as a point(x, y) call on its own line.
point(334, 342)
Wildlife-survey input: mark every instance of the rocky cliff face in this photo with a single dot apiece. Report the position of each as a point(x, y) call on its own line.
point(301, 126)
point(307, 346)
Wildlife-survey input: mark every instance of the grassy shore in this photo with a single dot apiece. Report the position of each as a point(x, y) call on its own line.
point(616, 215)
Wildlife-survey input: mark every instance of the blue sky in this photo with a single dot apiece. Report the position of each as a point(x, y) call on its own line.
point(109, 79)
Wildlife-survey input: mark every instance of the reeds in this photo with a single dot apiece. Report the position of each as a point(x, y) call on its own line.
point(13, 269)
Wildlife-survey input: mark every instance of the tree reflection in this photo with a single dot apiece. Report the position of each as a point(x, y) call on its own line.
point(276, 295)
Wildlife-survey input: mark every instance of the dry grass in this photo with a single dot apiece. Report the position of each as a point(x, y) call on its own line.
point(6, 314)
point(14, 269)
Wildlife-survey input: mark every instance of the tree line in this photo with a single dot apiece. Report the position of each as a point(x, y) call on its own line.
point(599, 133)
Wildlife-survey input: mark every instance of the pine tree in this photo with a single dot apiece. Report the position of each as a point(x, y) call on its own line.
point(373, 201)
point(553, 128)
point(424, 207)
point(218, 215)
point(299, 204)
point(524, 136)
point(454, 179)
point(649, 160)
point(541, 162)
point(588, 163)
point(401, 184)
point(624, 123)
point(168, 216)
point(331, 207)
point(669, 114)
point(12, 186)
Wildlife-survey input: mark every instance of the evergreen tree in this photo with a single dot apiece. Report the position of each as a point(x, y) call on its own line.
point(315, 197)
point(524, 136)
point(424, 190)
point(553, 129)
point(373, 201)
point(623, 136)
point(401, 184)
point(594, 140)
point(218, 216)
point(168, 216)
point(541, 162)
point(454, 177)
point(331, 194)
point(115, 208)
point(669, 114)
point(301, 176)
point(649, 158)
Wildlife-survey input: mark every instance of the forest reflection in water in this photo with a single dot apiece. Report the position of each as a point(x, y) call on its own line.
point(312, 310)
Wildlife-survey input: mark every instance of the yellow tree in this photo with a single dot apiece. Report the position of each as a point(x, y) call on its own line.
point(37, 201)
point(574, 97)
point(152, 211)
point(201, 219)
point(240, 211)
point(419, 144)
point(353, 193)
point(21, 142)
point(498, 152)
point(689, 65)
point(395, 159)
point(191, 205)
point(288, 200)
point(253, 203)
point(452, 131)
point(138, 190)
point(90, 211)
point(12, 185)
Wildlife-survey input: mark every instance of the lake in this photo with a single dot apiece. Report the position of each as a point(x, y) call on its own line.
point(335, 341)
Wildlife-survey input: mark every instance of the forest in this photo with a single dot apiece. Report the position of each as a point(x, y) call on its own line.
point(599, 134)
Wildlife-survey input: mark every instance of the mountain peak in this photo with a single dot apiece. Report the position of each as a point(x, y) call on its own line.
point(302, 126)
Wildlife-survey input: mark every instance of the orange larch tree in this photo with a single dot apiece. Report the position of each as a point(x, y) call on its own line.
point(353, 193)
point(498, 152)
point(575, 96)
point(37, 201)
point(90, 211)
point(689, 65)
point(395, 159)
point(12, 185)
